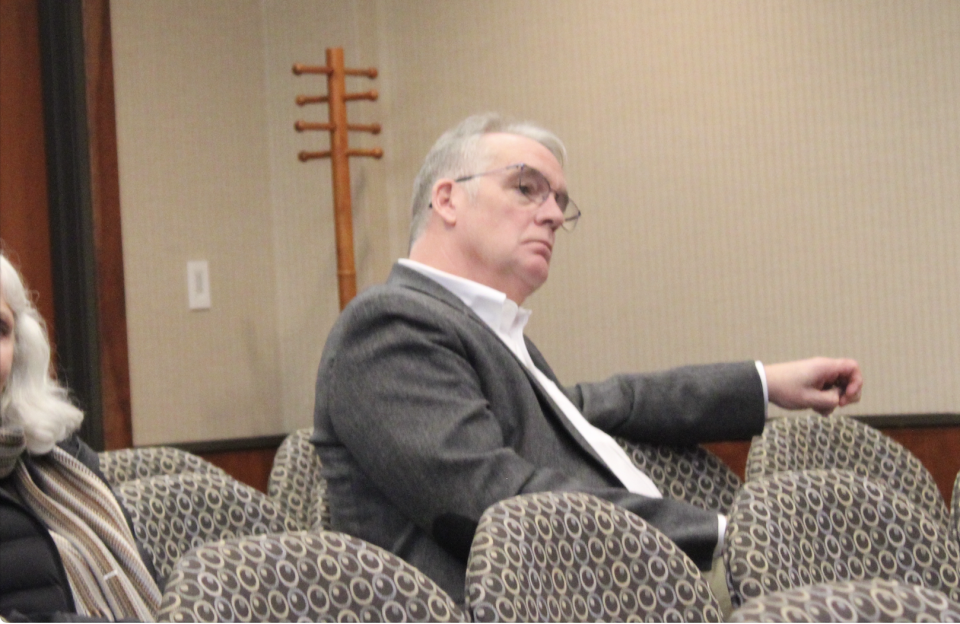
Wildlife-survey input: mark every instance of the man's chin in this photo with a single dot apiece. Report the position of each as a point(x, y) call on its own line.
point(537, 276)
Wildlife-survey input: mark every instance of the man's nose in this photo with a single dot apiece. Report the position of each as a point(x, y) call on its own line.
point(550, 212)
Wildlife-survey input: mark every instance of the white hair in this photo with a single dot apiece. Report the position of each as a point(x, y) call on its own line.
point(32, 399)
point(458, 150)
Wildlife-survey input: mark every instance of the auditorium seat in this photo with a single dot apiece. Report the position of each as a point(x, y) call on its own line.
point(688, 473)
point(173, 513)
point(128, 464)
point(873, 600)
point(296, 483)
point(811, 442)
point(302, 576)
point(955, 509)
point(794, 529)
point(563, 556)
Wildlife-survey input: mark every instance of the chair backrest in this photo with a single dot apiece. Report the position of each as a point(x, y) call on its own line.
point(296, 481)
point(808, 527)
point(688, 473)
point(173, 513)
point(302, 576)
point(565, 556)
point(955, 509)
point(874, 600)
point(812, 442)
point(128, 464)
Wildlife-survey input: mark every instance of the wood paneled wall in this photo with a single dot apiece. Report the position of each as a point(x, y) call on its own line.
point(24, 219)
point(250, 466)
point(105, 201)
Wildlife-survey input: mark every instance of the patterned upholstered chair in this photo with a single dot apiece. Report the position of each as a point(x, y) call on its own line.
point(955, 509)
point(306, 576)
point(812, 442)
point(809, 527)
point(136, 463)
point(689, 473)
point(173, 513)
point(561, 556)
point(873, 600)
point(296, 483)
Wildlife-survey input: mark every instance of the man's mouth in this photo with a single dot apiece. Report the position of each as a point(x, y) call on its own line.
point(546, 246)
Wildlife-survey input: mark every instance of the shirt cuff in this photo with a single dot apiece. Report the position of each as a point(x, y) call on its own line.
point(722, 528)
point(766, 393)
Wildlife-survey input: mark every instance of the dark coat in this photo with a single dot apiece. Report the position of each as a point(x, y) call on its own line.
point(33, 581)
point(424, 418)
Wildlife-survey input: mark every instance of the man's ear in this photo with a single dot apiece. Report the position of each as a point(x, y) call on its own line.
point(443, 201)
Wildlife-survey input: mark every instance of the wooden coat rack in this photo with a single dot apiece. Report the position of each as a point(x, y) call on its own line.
point(339, 154)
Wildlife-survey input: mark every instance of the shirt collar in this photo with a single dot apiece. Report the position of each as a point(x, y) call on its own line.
point(492, 306)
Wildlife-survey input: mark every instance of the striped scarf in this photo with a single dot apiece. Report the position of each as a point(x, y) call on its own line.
point(107, 577)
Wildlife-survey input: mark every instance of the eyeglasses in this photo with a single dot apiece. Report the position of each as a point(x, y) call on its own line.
point(535, 187)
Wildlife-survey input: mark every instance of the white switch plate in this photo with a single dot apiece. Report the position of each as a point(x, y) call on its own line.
point(198, 284)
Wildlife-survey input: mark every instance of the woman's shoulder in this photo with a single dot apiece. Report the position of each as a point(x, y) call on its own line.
point(81, 450)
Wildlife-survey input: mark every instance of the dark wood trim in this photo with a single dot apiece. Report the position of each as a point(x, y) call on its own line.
point(933, 438)
point(71, 222)
point(249, 460)
point(910, 421)
point(733, 454)
point(251, 466)
point(229, 445)
point(108, 240)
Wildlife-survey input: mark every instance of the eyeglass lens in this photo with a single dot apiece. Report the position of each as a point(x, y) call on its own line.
point(535, 186)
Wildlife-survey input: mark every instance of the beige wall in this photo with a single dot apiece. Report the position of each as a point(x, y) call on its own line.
point(759, 180)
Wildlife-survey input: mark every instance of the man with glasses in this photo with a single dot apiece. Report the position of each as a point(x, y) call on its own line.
point(431, 405)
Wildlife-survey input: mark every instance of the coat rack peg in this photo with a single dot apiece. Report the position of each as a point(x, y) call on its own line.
point(372, 153)
point(339, 153)
point(300, 69)
point(302, 125)
point(370, 72)
point(371, 95)
point(312, 99)
point(373, 128)
point(305, 156)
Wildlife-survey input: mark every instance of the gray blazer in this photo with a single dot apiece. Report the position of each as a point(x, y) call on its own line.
point(424, 418)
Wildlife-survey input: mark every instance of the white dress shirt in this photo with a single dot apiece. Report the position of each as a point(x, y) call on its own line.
point(507, 320)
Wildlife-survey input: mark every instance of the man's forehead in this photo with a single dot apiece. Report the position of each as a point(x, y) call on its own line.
point(508, 149)
point(501, 142)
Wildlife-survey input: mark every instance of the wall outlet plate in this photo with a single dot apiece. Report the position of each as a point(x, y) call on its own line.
point(198, 284)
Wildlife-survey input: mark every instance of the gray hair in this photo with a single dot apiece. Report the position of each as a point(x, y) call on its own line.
point(32, 399)
point(458, 150)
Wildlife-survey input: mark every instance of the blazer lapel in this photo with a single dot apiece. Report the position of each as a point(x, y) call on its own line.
point(408, 278)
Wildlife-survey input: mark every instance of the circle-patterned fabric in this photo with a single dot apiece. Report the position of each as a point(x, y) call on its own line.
point(561, 556)
point(306, 577)
point(173, 513)
point(688, 473)
point(137, 463)
point(296, 482)
point(803, 528)
point(875, 600)
point(812, 442)
point(955, 509)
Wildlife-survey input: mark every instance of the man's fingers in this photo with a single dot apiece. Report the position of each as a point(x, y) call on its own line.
point(825, 401)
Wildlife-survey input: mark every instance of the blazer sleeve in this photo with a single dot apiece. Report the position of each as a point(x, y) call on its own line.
point(400, 392)
point(680, 406)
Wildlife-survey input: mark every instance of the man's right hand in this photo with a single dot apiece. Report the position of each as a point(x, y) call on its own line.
point(821, 384)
